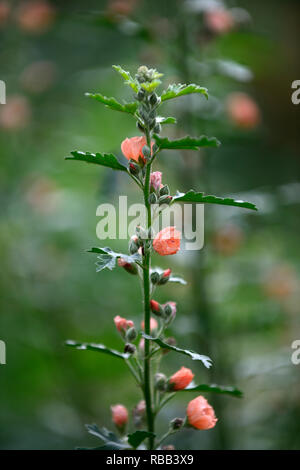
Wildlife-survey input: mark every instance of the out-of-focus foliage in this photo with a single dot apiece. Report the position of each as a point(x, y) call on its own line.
point(242, 307)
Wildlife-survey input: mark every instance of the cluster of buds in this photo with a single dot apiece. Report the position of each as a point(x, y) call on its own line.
point(142, 241)
point(148, 80)
point(167, 311)
point(128, 333)
point(159, 193)
point(160, 278)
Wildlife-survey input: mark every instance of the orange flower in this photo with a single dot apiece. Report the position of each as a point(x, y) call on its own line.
point(132, 148)
point(122, 324)
point(200, 414)
point(243, 110)
point(119, 415)
point(167, 241)
point(181, 379)
point(153, 324)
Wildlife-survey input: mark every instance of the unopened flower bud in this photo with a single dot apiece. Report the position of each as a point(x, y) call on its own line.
point(129, 267)
point(152, 198)
point(156, 308)
point(164, 190)
point(155, 277)
point(119, 416)
point(153, 99)
point(176, 423)
point(168, 310)
point(160, 381)
point(165, 200)
point(134, 168)
point(131, 334)
point(164, 277)
point(133, 245)
point(146, 151)
point(141, 94)
point(129, 348)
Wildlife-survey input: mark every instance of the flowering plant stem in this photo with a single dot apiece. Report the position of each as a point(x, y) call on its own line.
point(146, 279)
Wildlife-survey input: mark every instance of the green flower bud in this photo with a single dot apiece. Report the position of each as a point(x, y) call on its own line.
point(129, 348)
point(131, 334)
point(146, 151)
point(164, 190)
point(160, 382)
point(152, 198)
point(176, 423)
point(157, 128)
point(155, 277)
point(165, 200)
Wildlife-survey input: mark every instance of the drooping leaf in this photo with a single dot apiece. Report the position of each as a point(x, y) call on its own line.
point(103, 159)
point(172, 278)
point(112, 103)
point(175, 90)
point(166, 120)
point(129, 80)
point(96, 347)
point(104, 434)
point(107, 258)
point(186, 143)
point(137, 437)
point(195, 356)
point(214, 389)
point(192, 196)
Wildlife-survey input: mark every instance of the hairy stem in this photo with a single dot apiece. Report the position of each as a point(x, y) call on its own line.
point(146, 279)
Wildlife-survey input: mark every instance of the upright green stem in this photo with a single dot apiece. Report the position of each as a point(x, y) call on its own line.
point(146, 271)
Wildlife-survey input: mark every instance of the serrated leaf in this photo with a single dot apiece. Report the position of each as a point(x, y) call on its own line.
point(103, 159)
point(166, 120)
point(137, 437)
point(214, 389)
point(112, 103)
point(108, 257)
point(192, 196)
point(186, 143)
point(96, 347)
point(127, 77)
point(195, 356)
point(175, 90)
point(104, 434)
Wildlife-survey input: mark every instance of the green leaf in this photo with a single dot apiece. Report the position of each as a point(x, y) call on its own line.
point(103, 159)
point(137, 437)
point(112, 103)
point(195, 356)
point(166, 120)
point(127, 77)
point(96, 347)
point(175, 90)
point(188, 143)
point(192, 196)
point(108, 257)
point(215, 389)
point(104, 434)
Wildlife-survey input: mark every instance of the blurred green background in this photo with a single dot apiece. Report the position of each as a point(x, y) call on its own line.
point(241, 305)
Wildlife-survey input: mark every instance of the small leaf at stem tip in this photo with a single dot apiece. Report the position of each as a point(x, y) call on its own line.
point(192, 196)
point(214, 389)
point(137, 437)
point(103, 159)
point(129, 80)
point(166, 120)
point(96, 347)
point(195, 356)
point(186, 143)
point(175, 90)
point(113, 104)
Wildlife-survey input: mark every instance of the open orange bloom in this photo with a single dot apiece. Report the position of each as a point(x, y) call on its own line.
point(167, 241)
point(132, 148)
point(200, 414)
point(119, 415)
point(181, 379)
